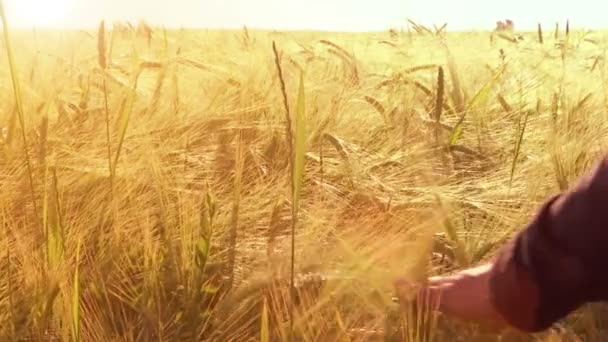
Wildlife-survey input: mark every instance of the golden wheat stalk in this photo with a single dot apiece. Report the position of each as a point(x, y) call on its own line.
point(102, 61)
point(289, 131)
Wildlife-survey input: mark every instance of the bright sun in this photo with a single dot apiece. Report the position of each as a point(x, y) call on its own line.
point(38, 12)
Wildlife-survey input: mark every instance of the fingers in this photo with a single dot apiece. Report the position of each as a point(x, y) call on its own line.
point(430, 297)
point(428, 294)
point(439, 280)
point(405, 290)
point(463, 295)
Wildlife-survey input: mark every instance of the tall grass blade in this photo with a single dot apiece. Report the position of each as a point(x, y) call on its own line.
point(300, 144)
point(236, 205)
point(298, 176)
point(520, 138)
point(264, 328)
point(481, 96)
point(102, 60)
point(54, 228)
point(458, 95)
point(124, 118)
point(76, 298)
point(460, 250)
point(9, 132)
point(203, 244)
point(9, 277)
point(19, 101)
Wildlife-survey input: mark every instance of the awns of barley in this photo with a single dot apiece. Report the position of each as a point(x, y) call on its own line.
point(423, 88)
point(419, 28)
point(338, 48)
point(441, 29)
point(346, 57)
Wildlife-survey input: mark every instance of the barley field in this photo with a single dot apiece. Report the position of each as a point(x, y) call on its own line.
point(172, 185)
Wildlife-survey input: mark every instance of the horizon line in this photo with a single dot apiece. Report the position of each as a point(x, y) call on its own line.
point(404, 26)
point(274, 29)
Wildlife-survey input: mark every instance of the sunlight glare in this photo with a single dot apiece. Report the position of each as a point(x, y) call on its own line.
point(38, 12)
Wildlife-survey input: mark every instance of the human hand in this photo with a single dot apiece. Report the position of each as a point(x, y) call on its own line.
point(464, 295)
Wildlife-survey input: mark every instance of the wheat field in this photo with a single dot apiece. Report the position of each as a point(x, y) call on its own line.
point(153, 183)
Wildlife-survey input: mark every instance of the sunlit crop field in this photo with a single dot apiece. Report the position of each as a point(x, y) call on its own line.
point(149, 181)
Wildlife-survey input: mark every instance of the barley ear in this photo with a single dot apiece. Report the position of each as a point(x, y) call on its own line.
point(101, 46)
point(438, 102)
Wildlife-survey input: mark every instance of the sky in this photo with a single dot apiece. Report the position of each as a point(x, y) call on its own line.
point(333, 15)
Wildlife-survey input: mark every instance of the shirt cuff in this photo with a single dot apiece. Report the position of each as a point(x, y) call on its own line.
point(513, 290)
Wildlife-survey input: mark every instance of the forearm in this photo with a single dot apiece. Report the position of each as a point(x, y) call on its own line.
point(552, 266)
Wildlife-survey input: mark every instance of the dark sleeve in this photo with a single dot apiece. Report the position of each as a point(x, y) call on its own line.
point(559, 261)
